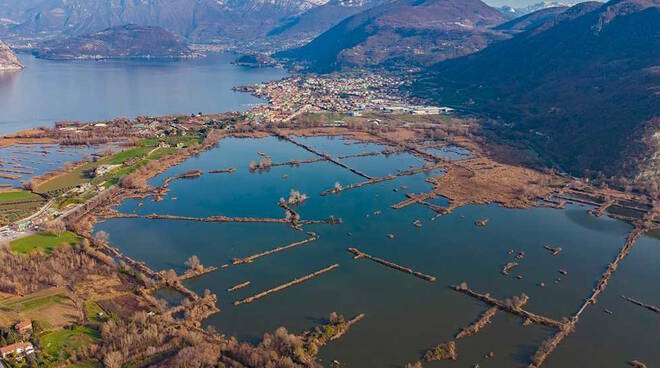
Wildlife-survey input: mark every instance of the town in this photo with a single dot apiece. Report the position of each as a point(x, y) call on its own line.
point(352, 94)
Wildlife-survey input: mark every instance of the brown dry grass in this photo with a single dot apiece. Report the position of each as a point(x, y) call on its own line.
point(97, 287)
point(28, 136)
point(124, 306)
point(484, 181)
point(52, 307)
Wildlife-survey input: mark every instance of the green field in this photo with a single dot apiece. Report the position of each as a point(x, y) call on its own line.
point(18, 204)
point(68, 180)
point(38, 301)
point(173, 141)
point(123, 156)
point(45, 242)
point(52, 343)
point(81, 174)
point(51, 308)
point(91, 311)
point(18, 196)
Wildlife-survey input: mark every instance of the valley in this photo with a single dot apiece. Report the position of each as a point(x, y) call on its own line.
point(342, 183)
point(412, 193)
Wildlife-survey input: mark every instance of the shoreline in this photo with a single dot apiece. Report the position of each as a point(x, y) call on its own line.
point(482, 178)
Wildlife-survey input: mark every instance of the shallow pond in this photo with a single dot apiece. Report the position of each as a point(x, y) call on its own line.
point(404, 315)
point(29, 160)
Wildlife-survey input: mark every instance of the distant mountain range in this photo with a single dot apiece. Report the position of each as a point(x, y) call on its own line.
point(8, 60)
point(532, 20)
point(129, 41)
point(304, 27)
point(273, 25)
point(583, 88)
point(196, 20)
point(403, 33)
point(517, 12)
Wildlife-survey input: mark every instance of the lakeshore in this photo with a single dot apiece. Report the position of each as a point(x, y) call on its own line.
point(393, 194)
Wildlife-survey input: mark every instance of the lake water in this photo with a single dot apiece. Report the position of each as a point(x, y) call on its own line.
point(48, 91)
point(404, 315)
point(27, 161)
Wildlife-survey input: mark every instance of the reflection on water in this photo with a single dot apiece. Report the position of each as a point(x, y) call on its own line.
point(47, 91)
point(404, 315)
point(7, 78)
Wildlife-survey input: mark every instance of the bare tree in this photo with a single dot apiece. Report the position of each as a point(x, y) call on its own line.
point(193, 263)
point(101, 237)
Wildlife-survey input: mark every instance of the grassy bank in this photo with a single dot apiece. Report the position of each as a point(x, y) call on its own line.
point(67, 341)
point(130, 159)
point(18, 204)
point(43, 242)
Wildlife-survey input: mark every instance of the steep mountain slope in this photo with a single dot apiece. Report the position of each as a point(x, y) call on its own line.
point(313, 22)
point(198, 20)
point(129, 41)
point(531, 20)
point(403, 33)
point(582, 89)
point(8, 60)
point(523, 10)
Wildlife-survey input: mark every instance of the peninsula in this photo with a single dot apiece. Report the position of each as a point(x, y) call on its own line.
point(122, 42)
point(8, 60)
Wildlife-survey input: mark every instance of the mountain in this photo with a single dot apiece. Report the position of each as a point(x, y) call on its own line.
point(581, 90)
point(196, 20)
point(520, 11)
point(304, 27)
point(531, 20)
point(402, 33)
point(8, 60)
point(129, 41)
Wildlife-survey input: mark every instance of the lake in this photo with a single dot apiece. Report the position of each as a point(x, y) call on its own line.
point(404, 315)
point(48, 91)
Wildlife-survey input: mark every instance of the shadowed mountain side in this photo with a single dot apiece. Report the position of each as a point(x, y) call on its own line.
point(402, 33)
point(580, 89)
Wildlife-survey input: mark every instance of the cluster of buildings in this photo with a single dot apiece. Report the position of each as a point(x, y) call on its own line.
point(19, 350)
point(141, 126)
point(353, 94)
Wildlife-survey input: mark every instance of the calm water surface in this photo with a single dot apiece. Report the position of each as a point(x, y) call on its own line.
point(26, 161)
point(404, 315)
point(48, 91)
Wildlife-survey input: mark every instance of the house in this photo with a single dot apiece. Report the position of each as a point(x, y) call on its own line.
point(18, 350)
point(336, 123)
point(21, 225)
point(104, 169)
point(23, 327)
point(430, 110)
point(82, 188)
